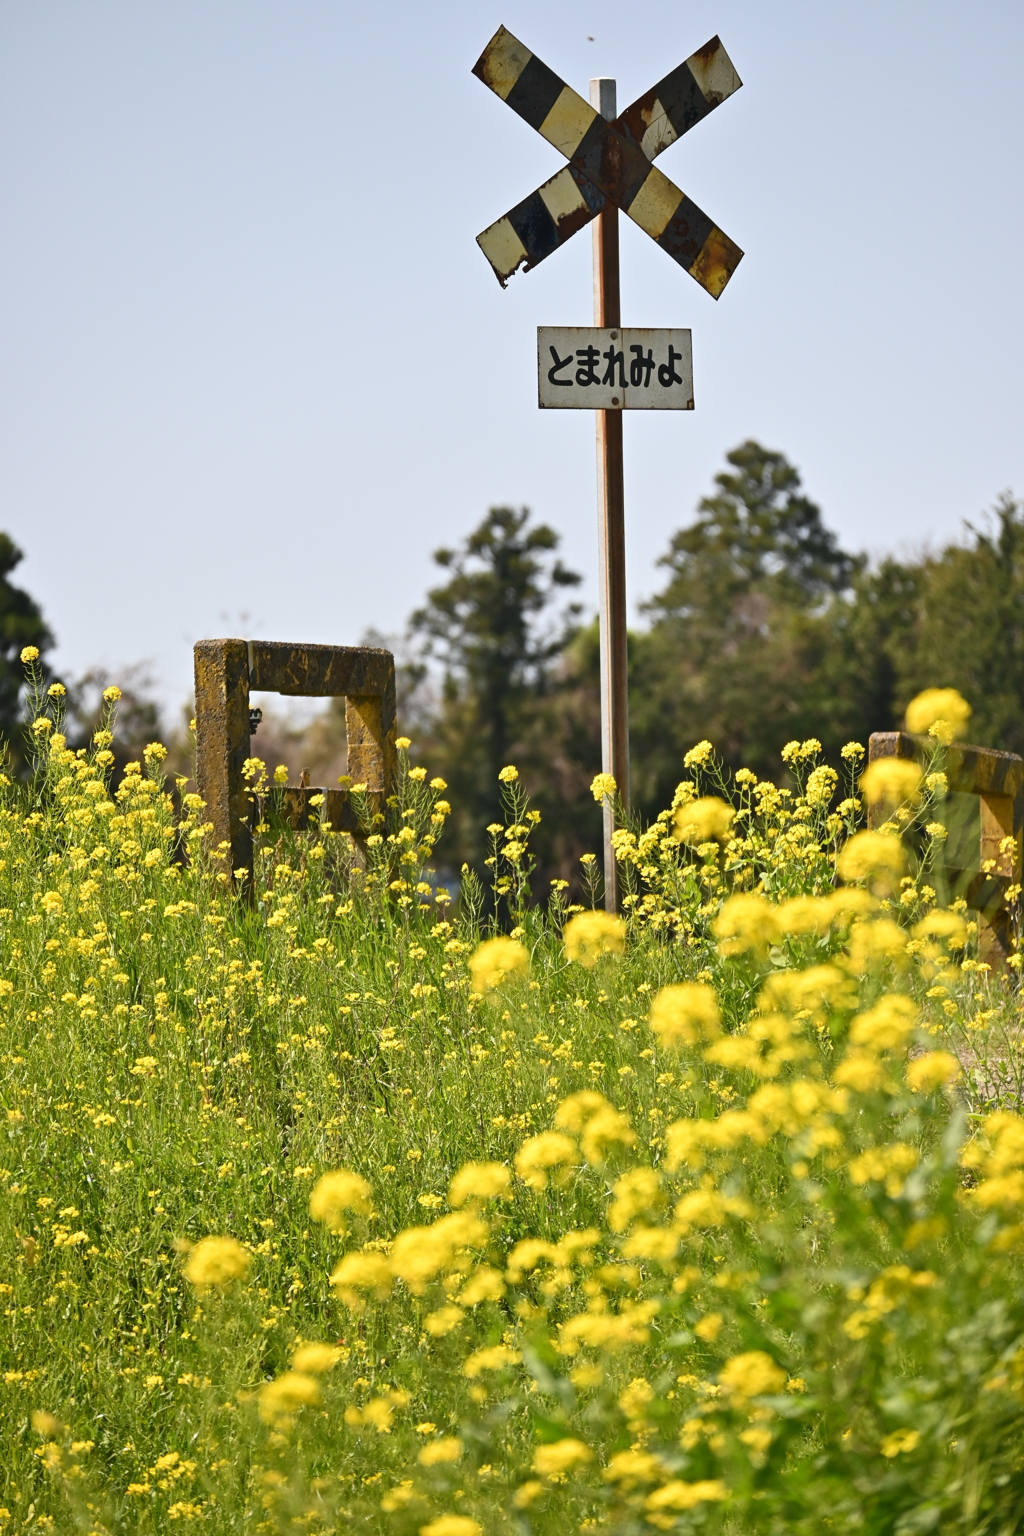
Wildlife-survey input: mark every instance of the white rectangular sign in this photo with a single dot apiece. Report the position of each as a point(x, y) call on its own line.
point(582, 368)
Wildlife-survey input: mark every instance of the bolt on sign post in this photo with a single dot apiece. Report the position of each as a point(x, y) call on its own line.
point(608, 369)
point(983, 808)
point(226, 670)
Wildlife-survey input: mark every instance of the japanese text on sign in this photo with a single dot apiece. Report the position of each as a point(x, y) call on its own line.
point(583, 368)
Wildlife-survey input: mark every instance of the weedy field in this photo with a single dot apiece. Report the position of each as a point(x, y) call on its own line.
point(346, 1210)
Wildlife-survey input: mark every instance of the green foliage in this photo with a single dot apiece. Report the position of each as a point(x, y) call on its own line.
point(757, 536)
point(21, 624)
point(727, 1253)
point(968, 627)
point(748, 641)
point(490, 626)
point(764, 629)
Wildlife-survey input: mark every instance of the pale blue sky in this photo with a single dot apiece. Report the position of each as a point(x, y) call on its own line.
point(253, 363)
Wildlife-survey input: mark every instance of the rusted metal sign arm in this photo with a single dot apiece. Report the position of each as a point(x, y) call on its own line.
point(226, 670)
point(609, 161)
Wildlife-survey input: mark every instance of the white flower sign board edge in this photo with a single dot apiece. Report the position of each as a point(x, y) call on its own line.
point(587, 368)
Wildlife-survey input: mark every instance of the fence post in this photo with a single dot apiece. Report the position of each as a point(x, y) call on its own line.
point(985, 804)
point(222, 746)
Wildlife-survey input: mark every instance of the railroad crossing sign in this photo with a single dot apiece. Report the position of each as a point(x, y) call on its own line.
point(610, 168)
point(609, 162)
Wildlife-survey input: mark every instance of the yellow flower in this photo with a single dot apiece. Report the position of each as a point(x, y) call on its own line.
point(637, 1398)
point(315, 1358)
point(943, 712)
point(607, 1129)
point(439, 1452)
point(554, 1461)
point(702, 821)
point(589, 935)
point(452, 1525)
point(495, 1358)
point(698, 755)
point(887, 1026)
point(493, 960)
point(891, 781)
point(632, 1467)
point(379, 1412)
point(574, 1112)
point(442, 1321)
point(334, 1194)
point(874, 943)
point(707, 1208)
point(900, 1442)
point(112, 694)
point(884, 1165)
point(686, 1013)
point(547, 1155)
point(357, 1272)
point(509, 775)
point(635, 1193)
point(753, 1374)
point(479, 1181)
point(279, 1399)
point(812, 990)
point(29, 653)
point(603, 786)
point(876, 857)
point(821, 785)
point(679, 1496)
point(746, 922)
point(420, 1254)
point(609, 1330)
point(56, 690)
point(216, 1261)
point(943, 924)
point(933, 1070)
point(403, 743)
point(860, 1070)
point(484, 1284)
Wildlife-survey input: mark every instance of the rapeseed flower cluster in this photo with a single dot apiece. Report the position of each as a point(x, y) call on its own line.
point(340, 1210)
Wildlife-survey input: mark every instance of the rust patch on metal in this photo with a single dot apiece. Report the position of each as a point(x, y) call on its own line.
point(719, 257)
point(708, 51)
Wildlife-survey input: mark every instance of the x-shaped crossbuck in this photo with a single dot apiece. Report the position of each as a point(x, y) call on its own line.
point(609, 162)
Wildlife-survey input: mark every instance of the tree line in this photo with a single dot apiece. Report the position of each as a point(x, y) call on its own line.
point(763, 629)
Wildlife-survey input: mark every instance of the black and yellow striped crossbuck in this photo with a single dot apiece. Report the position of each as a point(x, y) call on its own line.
point(609, 162)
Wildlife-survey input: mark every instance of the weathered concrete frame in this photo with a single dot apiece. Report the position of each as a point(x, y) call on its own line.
point(997, 778)
point(226, 671)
